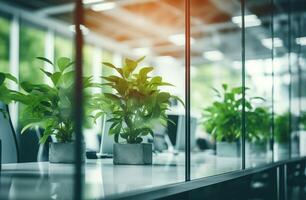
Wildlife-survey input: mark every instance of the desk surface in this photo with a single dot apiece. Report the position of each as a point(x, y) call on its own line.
point(43, 180)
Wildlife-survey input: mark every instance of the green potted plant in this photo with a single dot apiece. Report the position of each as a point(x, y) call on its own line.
point(223, 120)
point(50, 107)
point(136, 105)
point(258, 123)
point(281, 135)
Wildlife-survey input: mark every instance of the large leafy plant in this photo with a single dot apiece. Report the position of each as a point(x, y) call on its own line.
point(281, 128)
point(50, 106)
point(223, 118)
point(137, 103)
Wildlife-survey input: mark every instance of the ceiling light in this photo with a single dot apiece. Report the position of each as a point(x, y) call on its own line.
point(267, 42)
point(103, 6)
point(179, 39)
point(213, 55)
point(83, 28)
point(91, 1)
point(301, 41)
point(142, 51)
point(249, 20)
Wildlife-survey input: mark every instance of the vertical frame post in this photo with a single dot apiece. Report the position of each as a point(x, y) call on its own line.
point(187, 90)
point(243, 121)
point(78, 105)
point(273, 80)
point(290, 75)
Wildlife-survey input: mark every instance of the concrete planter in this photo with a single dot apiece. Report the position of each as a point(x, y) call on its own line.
point(132, 154)
point(256, 148)
point(64, 152)
point(281, 151)
point(228, 149)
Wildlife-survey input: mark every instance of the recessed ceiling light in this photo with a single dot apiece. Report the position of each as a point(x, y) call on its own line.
point(213, 55)
point(103, 6)
point(83, 28)
point(267, 42)
point(301, 41)
point(249, 20)
point(142, 51)
point(179, 39)
point(91, 1)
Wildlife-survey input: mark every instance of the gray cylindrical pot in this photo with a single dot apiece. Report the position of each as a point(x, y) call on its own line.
point(256, 148)
point(132, 154)
point(64, 152)
point(228, 149)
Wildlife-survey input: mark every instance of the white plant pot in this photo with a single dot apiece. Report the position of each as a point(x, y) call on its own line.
point(302, 143)
point(281, 151)
point(228, 149)
point(132, 154)
point(64, 152)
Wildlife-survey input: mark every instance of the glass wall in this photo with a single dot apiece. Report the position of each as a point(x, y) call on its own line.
point(247, 73)
point(282, 81)
point(4, 44)
point(215, 88)
point(258, 80)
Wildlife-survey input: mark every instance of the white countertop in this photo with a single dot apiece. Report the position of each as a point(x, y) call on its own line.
point(44, 180)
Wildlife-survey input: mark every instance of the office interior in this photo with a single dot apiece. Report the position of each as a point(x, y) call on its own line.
point(238, 66)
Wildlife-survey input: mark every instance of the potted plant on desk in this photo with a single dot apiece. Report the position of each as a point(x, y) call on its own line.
point(134, 108)
point(223, 120)
point(258, 122)
point(50, 107)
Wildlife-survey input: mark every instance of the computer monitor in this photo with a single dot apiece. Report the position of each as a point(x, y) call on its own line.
point(176, 131)
point(107, 141)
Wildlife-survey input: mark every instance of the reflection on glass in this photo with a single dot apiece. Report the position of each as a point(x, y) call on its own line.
point(215, 88)
point(282, 81)
point(4, 41)
point(258, 80)
point(135, 103)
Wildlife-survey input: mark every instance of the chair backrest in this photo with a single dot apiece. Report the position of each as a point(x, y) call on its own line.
point(7, 136)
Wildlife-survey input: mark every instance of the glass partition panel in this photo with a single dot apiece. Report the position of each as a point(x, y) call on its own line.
point(302, 81)
point(137, 106)
point(282, 80)
point(4, 44)
point(215, 87)
point(295, 27)
point(258, 76)
point(31, 45)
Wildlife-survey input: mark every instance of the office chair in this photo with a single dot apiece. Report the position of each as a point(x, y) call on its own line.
point(8, 137)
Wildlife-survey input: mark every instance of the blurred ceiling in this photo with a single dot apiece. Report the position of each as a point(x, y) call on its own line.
point(156, 26)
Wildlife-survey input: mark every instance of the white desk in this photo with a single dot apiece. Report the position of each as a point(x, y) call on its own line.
point(43, 180)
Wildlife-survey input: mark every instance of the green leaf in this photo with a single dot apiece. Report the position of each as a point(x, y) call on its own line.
point(63, 63)
point(140, 59)
point(28, 126)
point(112, 96)
point(144, 71)
point(224, 86)
point(46, 72)
point(178, 99)
point(2, 78)
point(163, 97)
point(45, 59)
point(11, 77)
point(56, 77)
point(113, 67)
